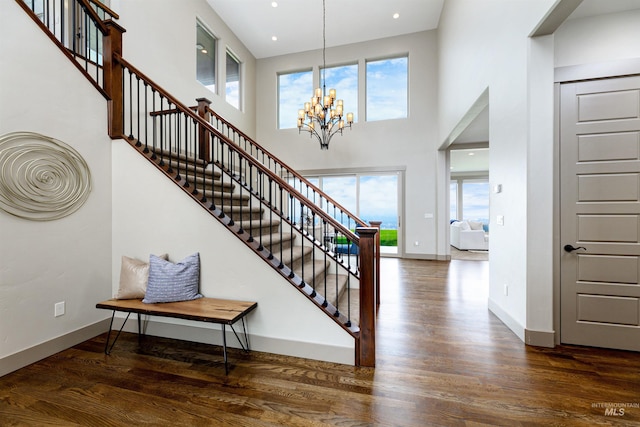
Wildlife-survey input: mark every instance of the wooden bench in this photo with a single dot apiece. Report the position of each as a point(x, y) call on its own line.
point(212, 310)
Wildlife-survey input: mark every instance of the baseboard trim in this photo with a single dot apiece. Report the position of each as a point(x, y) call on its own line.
point(38, 352)
point(540, 338)
point(210, 334)
point(506, 318)
point(426, 257)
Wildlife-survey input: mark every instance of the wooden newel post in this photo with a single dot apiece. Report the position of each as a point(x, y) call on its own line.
point(113, 78)
point(366, 345)
point(204, 151)
point(377, 224)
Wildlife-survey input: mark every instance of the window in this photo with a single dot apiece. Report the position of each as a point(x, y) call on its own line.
point(344, 79)
point(371, 197)
point(453, 198)
point(233, 80)
point(475, 201)
point(205, 58)
point(469, 199)
point(294, 89)
point(387, 83)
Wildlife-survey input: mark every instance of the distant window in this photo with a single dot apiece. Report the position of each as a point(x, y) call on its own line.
point(387, 88)
point(205, 58)
point(294, 89)
point(233, 80)
point(475, 200)
point(453, 198)
point(344, 79)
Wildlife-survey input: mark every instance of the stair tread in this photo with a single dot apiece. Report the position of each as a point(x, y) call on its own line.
point(331, 287)
point(188, 157)
point(225, 194)
point(298, 252)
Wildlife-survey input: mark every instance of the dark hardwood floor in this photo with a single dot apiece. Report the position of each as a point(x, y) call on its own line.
point(443, 359)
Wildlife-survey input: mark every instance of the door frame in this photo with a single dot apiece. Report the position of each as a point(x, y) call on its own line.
point(576, 73)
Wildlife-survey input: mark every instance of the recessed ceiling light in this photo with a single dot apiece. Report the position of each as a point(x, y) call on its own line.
point(472, 154)
point(396, 15)
point(274, 38)
point(274, 4)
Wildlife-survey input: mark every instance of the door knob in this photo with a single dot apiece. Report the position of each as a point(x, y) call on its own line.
point(570, 248)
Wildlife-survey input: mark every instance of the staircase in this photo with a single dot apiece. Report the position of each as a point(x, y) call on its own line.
point(288, 222)
point(207, 185)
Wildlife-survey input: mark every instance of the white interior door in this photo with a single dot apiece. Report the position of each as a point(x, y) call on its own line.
point(600, 213)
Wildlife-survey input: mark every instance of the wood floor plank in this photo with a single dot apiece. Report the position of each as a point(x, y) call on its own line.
point(442, 360)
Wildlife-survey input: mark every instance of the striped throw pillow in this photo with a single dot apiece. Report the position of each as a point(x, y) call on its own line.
point(169, 282)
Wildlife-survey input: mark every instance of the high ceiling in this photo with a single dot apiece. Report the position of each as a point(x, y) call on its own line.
point(298, 23)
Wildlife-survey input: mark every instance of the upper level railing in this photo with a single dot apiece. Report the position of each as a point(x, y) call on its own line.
point(78, 28)
point(168, 131)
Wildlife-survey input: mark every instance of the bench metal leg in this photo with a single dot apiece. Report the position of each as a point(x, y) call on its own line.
point(245, 345)
point(107, 349)
point(224, 349)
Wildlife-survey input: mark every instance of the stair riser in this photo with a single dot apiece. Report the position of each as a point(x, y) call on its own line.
point(188, 168)
point(275, 249)
point(213, 186)
point(244, 215)
point(255, 230)
point(226, 202)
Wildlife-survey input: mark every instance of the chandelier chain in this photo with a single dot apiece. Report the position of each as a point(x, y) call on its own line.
point(323, 116)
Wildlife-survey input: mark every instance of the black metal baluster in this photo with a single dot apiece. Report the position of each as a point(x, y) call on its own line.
point(62, 24)
point(130, 107)
point(138, 109)
point(170, 136)
point(146, 118)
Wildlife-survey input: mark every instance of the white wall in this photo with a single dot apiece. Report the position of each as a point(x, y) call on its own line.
point(610, 37)
point(160, 41)
point(67, 259)
point(485, 45)
point(404, 143)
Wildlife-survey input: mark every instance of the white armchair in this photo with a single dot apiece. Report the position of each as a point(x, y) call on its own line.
point(468, 235)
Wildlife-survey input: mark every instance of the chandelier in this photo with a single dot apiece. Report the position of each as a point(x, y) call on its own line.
point(323, 116)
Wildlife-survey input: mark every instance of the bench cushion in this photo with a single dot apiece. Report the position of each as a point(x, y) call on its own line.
point(169, 282)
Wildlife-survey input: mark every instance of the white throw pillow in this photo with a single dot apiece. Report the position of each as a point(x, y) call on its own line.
point(464, 226)
point(475, 225)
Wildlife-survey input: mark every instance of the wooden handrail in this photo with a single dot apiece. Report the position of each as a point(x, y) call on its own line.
point(105, 8)
point(93, 15)
point(240, 151)
point(63, 48)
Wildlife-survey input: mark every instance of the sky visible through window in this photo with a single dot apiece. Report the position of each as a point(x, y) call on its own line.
point(344, 80)
point(294, 89)
point(378, 197)
point(386, 92)
point(387, 84)
point(475, 201)
point(232, 87)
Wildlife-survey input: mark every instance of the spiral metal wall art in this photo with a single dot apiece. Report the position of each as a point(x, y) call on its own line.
point(41, 178)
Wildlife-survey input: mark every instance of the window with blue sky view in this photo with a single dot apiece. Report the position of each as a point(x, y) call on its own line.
point(344, 79)
point(473, 201)
point(387, 88)
point(294, 89)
